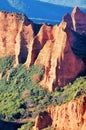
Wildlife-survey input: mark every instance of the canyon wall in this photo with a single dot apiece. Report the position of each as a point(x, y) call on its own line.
point(16, 34)
point(68, 116)
point(51, 46)
point(61, 64)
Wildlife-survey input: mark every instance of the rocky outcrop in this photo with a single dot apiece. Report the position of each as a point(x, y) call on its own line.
point(23, 46)
point(51, 46)
point(16, 33)
point(43, 120)
point(79, 20)
point(61, 65)
point(69, 116)
point(44, 34)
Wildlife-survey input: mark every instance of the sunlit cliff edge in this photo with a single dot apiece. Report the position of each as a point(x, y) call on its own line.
point(51, 46)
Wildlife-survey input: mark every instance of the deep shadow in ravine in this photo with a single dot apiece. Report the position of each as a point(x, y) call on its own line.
point(4, 125)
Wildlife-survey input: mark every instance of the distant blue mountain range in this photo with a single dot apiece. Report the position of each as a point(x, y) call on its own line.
point(38, 11)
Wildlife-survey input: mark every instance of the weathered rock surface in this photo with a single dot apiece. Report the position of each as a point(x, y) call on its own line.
point(69, 116)
point(51, 46)
point(79, 20)
point(43, 120)
point(61, 65)
point(16, 34)
point(44, 34)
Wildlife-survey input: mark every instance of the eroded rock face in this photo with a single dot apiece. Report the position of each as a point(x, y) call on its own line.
point(51, 46)
point(61, 65)
point(16, 34)
point(69, 116)
point(43, 120)
point(79, 20)
point(8, 30)
point(23, 46)
point(44, 34)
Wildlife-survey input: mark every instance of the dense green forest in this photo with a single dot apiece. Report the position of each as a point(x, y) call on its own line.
point(21, 95)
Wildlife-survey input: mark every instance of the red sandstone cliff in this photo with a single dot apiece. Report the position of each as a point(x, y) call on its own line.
point(16, 33)
point(40, 39)
point(69, 116)
point(51, 46)
point(79, 20)
point(61, 65)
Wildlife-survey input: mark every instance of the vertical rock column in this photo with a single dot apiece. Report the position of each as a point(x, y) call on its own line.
point(18, 44)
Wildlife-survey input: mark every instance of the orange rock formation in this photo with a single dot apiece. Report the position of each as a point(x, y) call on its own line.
point(51, 46)
point(16, 34)
point(79, 20)
point(61, 65)
point(69, 116)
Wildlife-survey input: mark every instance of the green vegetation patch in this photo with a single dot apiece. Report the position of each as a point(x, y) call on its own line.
point(27, 126)
point(21, 95)
point(16, 88)
point(6, 63)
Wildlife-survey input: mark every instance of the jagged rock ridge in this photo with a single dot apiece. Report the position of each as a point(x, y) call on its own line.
point(16, 32)
point(51, 46)
point(69, 116)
